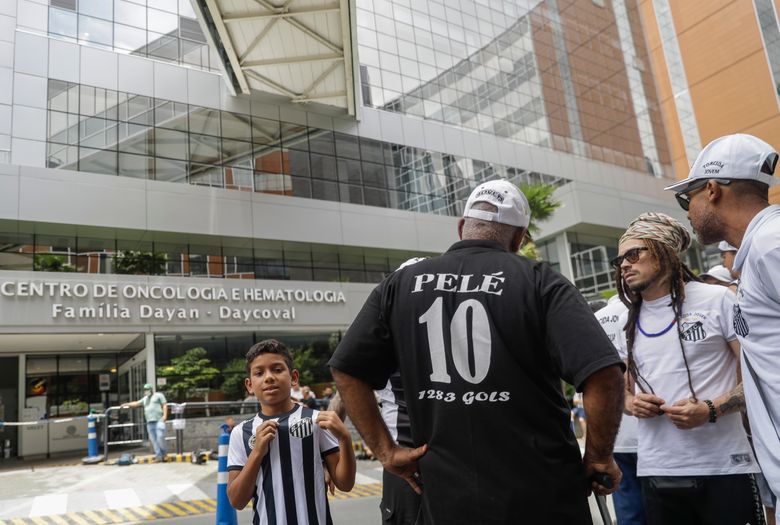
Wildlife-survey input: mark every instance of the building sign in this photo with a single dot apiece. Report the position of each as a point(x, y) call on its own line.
point(128, 300)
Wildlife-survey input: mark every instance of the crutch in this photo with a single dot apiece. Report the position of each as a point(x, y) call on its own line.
point(604, 480)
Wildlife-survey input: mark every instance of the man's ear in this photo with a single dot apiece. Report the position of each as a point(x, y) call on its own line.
point(295, 376)
point(248, 385)
point(517, 239)
point(714, 191)
point(461, 222)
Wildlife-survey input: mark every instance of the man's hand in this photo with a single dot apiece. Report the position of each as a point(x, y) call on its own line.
point(609, 467)
point(647, 405)
point(264, 434)
point(687, 413)
point(402, 462)
point(331, 421)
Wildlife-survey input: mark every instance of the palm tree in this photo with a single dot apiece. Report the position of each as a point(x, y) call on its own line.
point(542, 204)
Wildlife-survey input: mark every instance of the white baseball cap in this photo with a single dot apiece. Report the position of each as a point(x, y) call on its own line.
point(719, 272)
point(512, 205)
point(737, 156)
point(726, 247)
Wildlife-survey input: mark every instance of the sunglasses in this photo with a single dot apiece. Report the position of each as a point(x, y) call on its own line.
point(684, 197)
point(632, 256)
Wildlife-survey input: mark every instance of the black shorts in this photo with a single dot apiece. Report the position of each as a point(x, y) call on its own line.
point(692, 500)
point(400, 504)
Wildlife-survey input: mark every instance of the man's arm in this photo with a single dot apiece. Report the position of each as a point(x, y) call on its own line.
point(165, 411)
point(358, 398)
point(686, 413)
point(603, 399)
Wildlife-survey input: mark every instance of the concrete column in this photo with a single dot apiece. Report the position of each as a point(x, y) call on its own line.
point(564, 256)
point(151, 376)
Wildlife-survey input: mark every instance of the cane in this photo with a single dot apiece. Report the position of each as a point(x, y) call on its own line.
point(605, 480)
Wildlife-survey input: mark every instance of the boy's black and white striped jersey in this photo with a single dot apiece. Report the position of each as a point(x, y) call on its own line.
point(290, 486)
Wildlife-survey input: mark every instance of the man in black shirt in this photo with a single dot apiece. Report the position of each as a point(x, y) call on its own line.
point(482, 338)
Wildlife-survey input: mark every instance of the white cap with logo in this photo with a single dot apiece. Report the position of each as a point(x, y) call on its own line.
point(738, 156)
point(512, 205)
point(720, 273)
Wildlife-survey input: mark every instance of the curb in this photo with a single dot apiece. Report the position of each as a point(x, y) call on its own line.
point(186, 457)
point(170, 509)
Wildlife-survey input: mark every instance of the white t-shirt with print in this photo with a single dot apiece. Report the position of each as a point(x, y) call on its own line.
point(757, 325)
point(610, 320)
point(712, 448)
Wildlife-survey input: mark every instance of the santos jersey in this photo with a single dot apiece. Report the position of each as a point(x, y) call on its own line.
point(290, 487)
point(481, 338)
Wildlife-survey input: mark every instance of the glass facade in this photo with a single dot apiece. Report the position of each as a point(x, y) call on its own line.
point(257, 259)
point(114, 133)
point(160, 29)
point(548, 73)
point(769, 24)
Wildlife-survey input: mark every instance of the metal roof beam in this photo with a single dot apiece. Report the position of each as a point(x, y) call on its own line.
point(319, 79)
point(323, 96)
point(275, 85)
point(227, 43)
point(305, 29)
point(280, 13)
point(260, 36)
point(291, 60)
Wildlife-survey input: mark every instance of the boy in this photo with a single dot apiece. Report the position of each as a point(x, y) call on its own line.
point(275, 459)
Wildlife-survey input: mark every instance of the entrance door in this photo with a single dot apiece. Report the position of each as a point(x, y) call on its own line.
point(9, 405)
point(132, 376)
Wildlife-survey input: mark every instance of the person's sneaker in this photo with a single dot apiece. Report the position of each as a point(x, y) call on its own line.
point(156, 460)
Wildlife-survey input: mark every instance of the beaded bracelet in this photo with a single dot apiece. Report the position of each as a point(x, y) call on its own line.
point(713, 413)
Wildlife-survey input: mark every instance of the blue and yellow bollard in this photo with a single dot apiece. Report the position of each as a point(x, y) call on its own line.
point(93, 455)
point(226, 514)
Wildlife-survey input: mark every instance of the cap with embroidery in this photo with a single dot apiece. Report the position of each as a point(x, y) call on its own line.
point(738, 156)
point(719, 272)
point(512, 206)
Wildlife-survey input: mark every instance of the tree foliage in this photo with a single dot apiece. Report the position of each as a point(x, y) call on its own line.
point(306, 362)
point(187, 373)
point(45, 262)
point(132, 262)
point(542, 205)
point(234, 374)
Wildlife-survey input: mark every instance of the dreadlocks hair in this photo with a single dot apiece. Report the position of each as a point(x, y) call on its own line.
point(669, 263)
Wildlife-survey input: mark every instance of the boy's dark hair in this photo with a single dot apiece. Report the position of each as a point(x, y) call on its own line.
point(269, 346)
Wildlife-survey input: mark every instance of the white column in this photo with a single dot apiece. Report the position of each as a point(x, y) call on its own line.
point(151, 376)
point(564, 256)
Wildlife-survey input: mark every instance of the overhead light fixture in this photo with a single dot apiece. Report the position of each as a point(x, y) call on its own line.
point(89, 348)
point(100, 335)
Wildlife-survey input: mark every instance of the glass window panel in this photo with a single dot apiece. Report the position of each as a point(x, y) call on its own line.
point(371, 150)
point(136, 109)
point(16, 251)
point(97, 8)
point(65, 157)
point(375, 197)
point(324, 190)
point(206, 175)
point(130, 13)
point(205, 149)
point(322, 141)
point(136, 139)
point(63, 22)
point(269, 183)
point(373, 174)
point(325, 263)
point(101, 134)
point(60, 125)
point(136, 166)
point(161, 46)
point(301, 187)
point(166, 5)
point(63, 96)
point(294, 136)
point(237, 178)
point(171, 143)
point(129, 38)
point(265, 131)
point(299, 264)
point(351, 193)
point(171, 115)
point(349, 171)
point(239, 263)
point(97, 161)
point(185, 9)
point(190, 30)
point(347, 146)
point(235, 126)
point(234, 151)
point(323, 167)
point(352, 268)
point(270, 160)
point(162, 22)
point(170, 170)
point(96, 31)
point(204, 121)
point(298, 163)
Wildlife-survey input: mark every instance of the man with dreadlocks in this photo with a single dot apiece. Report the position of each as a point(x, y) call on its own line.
point(694, 461)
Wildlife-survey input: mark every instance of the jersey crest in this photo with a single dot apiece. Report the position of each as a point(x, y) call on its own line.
point(693, 331)
point(302, 428)
point(740, 325)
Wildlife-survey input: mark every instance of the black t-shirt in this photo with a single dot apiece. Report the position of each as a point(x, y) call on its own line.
point(482, 338)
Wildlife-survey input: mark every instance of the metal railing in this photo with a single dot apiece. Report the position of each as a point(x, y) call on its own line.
point(177, 420)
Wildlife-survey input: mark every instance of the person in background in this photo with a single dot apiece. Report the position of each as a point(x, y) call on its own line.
point(719, 275)
point(155, 413)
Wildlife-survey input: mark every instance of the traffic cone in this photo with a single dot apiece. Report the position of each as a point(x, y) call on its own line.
point(93, 456)
point(226, 514)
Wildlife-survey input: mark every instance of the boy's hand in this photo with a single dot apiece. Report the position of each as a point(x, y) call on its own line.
point(332, 422)
point(264, 434)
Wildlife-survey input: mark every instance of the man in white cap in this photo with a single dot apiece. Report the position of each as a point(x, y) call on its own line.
point(719, 275)
point(482, 338)
point(727, 254)
point(727, 198)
